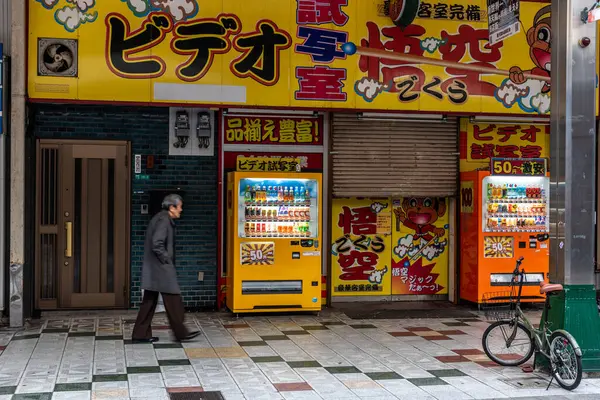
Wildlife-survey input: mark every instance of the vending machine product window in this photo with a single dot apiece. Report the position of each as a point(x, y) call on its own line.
point(515, 204)
point(278, 208)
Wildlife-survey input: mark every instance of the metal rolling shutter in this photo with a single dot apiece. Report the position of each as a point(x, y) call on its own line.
point(393, 157)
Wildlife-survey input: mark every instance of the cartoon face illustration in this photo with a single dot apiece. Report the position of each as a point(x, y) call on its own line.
point(420, 214)
point(538, 39)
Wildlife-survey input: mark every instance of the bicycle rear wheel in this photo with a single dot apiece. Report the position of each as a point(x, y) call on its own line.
point(496, 344)
point(566, 364)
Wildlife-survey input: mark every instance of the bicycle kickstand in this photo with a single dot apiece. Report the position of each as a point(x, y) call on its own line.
point(550, 384)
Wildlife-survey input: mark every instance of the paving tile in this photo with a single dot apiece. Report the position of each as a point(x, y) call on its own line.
point(72, 387)
point(267, 359)
point(451, 332)
point(7, 390)
point(468, 352)
point(74, 395)
point(343, 370)
point(304, 364)
point(402, 334)
point(419, 329)
point(253, 343)
point(292, 387)
point(363, 326)
point(315, 328)
point(333, 323)
point(427, 381)
point(81, 334)
point(143, 370)
point(291, 333)
point(165, 363)
point(437, 338)
point(377, 376)
point(445, 373)
point(200, 353)
point(110, 378)
point(274, 337)
point(168, 346)
point(33, 396)
point(452, 359)
point(453, 324)
point(231, 352)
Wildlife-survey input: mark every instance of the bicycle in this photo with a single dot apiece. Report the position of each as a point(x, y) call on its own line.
point(559, 346)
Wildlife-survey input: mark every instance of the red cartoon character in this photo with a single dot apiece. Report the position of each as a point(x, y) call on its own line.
point(420, 214)
point(538, 38)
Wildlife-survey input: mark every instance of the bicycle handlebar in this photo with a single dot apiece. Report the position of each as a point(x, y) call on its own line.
point(519, 261)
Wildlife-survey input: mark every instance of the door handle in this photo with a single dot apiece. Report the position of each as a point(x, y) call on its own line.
point(68, 248)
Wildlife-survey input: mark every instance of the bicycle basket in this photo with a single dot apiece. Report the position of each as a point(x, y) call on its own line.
point(499, 306)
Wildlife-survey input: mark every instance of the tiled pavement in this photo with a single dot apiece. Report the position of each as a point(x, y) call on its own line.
point(89, 356)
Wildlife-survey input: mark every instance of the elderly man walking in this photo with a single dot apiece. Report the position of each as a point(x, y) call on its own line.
point(159, 275)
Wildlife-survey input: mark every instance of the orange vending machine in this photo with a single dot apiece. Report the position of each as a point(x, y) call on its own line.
point(504, 215)
point(274, 244)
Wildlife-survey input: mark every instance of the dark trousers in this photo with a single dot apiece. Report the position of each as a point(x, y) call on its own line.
point(175, 313)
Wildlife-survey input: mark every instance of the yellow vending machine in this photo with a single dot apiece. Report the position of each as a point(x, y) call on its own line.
point(273, 242)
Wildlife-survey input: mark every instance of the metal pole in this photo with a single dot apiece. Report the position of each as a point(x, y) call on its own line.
point(573, 175)
point(17, 152)
point(3, 215)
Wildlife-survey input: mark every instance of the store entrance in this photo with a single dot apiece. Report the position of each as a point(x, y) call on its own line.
point(82, 229)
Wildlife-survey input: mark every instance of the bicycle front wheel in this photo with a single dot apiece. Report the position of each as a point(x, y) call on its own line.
point(508, 343)
point(566, 364)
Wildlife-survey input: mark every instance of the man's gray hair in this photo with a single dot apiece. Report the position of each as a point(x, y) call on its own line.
point(171, 200)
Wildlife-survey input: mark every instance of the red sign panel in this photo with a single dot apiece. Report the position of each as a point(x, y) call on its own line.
point(273, 130)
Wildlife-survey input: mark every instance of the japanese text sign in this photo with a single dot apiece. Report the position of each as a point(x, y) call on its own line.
point(485, 141)
point(361, 247)
point(420, 255)
point(300, 53)
point(267, 164)
point(511, 166)
point(272, 130)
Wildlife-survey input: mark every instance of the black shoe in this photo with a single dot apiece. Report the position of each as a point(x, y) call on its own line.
point(191, 336)
point(153, 339)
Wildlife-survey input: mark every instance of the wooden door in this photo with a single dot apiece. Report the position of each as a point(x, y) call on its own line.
point(83, 225)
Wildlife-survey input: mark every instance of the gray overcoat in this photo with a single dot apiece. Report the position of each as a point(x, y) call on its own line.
point(158, 270)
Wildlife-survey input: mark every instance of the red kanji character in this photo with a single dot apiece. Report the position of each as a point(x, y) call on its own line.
point(402, 41)
point(478, 133)
point(507, 151)
point(469, 41)
point(506, 132)
point(530, 151)
point(357, 266)
point(321, 12)
point(320, 83)
point(479, 152)
point(530, 134)
point(359, 221)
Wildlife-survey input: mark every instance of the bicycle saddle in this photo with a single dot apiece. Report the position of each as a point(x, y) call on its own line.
point(550, 287)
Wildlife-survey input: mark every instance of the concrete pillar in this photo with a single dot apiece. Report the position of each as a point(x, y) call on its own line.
point(17, 168)
point(572, 181)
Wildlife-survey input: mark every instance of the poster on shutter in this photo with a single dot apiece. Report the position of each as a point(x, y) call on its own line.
point(420, 246)
point(361, 247)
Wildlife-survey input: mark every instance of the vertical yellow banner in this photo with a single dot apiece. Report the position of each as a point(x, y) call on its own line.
point(361, 247)
point(420, 246)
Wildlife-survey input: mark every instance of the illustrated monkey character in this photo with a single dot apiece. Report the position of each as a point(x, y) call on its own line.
point(538, 38)
point(420, 215)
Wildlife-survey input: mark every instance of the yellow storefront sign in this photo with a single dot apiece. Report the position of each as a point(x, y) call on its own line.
point(420, 246)
point(361, 247)
point(487, 140)
point(276, 53)
point(268, 164)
